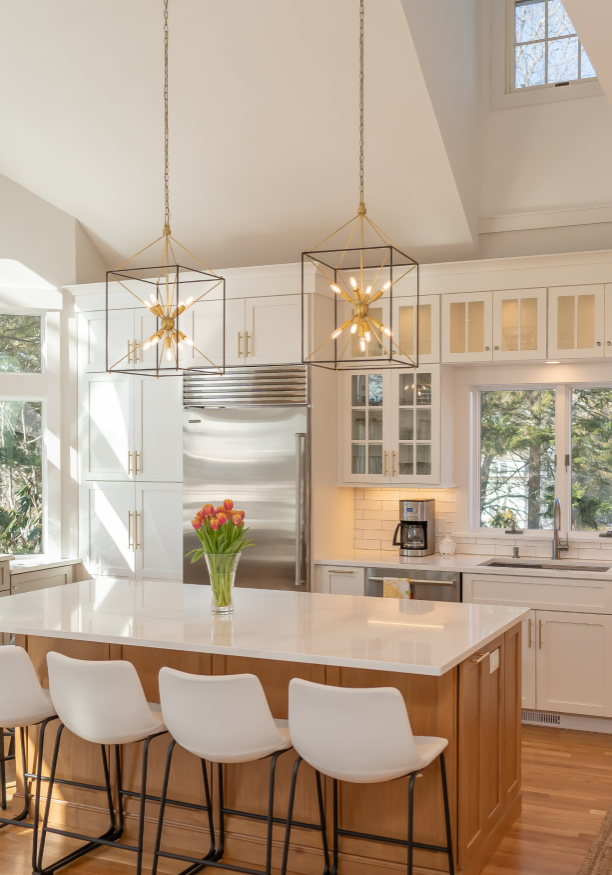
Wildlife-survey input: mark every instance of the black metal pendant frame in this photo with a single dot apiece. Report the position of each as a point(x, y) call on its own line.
point(338, 263)
point(151, 279)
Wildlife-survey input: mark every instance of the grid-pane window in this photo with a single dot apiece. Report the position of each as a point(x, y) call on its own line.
point(21, 505)
point(591, 459)
point(547, 50)
point(517, 458)
point(20, 343)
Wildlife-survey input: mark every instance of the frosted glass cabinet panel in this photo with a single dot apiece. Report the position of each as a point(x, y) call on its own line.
point(405, 327)
point(368, 411)
point(576, 322)
point(519, 324)
point(467, 327)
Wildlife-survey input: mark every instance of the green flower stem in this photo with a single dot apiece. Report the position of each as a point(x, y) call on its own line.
point(222, 570)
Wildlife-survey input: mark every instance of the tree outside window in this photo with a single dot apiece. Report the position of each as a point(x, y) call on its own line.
point(20, 343)
point(21, 476)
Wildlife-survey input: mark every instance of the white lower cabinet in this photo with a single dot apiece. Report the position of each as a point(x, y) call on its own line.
point(574, 663)
point(567, 651)
point(132, 530)
point(340, 581)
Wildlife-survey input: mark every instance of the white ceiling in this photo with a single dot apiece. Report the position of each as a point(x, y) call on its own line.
point(263, 124)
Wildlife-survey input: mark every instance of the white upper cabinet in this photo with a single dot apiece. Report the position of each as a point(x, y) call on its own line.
point(106, 405)
point(131, 427)
point(92, 340)
point(576, 322)
point(467, 327)
point(158, 428)
point(204, 324)
point(273, 328)
point(390, 427)
point(405, 327)
point(519, 325)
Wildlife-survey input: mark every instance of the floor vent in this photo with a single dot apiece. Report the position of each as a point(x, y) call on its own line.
point(541, 719)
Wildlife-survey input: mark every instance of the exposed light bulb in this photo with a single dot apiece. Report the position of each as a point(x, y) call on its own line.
point(181, 303)
point(387, 285)
point(169, 355)
point(153, 298)
point(146, 303)
point(336, 289)
point(146, 345)
point(362, 344)
point(180, 346)
point(354, 328)
point(368, 336)
point(188, 301)
point(353, 282)
point(188, 341)
point(368, 290)
point(387, 331)
point(336, 333)
point(155, 340)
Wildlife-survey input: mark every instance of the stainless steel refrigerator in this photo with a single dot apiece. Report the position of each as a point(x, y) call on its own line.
point(258, 457)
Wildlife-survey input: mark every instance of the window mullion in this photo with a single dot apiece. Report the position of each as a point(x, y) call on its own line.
point(563, 448)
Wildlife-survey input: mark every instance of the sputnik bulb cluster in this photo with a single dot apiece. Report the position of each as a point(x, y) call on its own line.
point(362, 322)
point(169, 334)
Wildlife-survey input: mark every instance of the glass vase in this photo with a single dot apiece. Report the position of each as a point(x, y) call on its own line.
point(222, 572)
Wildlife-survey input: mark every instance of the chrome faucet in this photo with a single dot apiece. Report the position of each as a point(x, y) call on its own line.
point(558, 546)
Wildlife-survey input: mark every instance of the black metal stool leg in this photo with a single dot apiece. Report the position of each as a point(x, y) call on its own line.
point(449, 838)
point(143, 803)
point(119, 790)
point(271, 812)
point(2, 772)
point(335, 825)
point(162, 807)
point(411, 781)
point(39, 765)
point(294, 775)
point(323, 822)
point(45, 823)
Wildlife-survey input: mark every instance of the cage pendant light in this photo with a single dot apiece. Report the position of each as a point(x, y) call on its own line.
point(163, 343)
point(363, 275)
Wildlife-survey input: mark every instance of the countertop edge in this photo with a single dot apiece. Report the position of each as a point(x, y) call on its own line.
point(314, 659)
point(439, 564)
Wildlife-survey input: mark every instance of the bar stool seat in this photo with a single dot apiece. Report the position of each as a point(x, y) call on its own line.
point(222, 719)
point(101, 702)
point(361, 736)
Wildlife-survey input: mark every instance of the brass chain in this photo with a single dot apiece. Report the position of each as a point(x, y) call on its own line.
point(166, 127)
point(361, 148)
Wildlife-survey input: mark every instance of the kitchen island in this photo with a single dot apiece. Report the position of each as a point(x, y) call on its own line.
point(457, 666)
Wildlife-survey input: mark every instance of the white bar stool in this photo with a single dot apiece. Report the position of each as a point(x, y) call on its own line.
point(23, 703)
point(223, 719)
point(104, 703)
point(361, 736)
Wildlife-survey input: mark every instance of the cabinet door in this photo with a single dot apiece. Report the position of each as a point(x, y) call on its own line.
point(528, 662)
point(406, 326)
point(158, 427)
point(107, 528)
point(145, 324)
point(519, 325)
point(92, 340)
point(107, 426)
point(346, 581)
point(365, 428)
point(608, 319)
point(204, 325)
point(576, 322)
point(273, 330)
point(574, 663)
point(158, 532)
point(415, 426)
point(467, 327)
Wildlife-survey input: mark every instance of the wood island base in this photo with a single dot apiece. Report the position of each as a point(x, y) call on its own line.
point(477, 709)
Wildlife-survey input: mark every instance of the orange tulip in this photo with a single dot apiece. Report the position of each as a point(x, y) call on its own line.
point(214, 524)
point(236, 519)
point(196, 523)
point(228, 504)
point(207, 510)
point(219, 509)
point(241, 513)
point(222, 519)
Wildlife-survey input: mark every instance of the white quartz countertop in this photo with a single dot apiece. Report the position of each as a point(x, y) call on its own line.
point(21, 564)
point(464, 563)
point(413, 637)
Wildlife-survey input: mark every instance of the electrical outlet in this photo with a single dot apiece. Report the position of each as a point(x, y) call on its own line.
point(494, 661)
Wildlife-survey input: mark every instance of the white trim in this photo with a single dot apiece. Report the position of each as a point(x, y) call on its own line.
point(501, 96)
point(546, 219)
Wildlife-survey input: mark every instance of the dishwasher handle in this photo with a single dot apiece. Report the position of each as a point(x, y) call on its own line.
point(414, 580)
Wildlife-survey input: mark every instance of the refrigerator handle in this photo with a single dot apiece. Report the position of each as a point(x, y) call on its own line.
point(300, 507)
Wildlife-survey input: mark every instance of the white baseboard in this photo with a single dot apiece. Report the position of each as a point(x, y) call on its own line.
point(567, 721)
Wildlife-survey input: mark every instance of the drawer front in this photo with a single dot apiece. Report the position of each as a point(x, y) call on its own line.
point(545, 593)
point(339, 580)
point(34, 580)
point(5, 575)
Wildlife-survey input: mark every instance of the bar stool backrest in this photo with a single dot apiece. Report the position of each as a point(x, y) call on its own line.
point(220, 718)
point(100, 701)
point(22, 700)
point(359, 735)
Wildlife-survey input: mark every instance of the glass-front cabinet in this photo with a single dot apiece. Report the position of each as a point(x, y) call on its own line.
point(576, 322)
point(467, 327)
point(519, 324)
point(390, 427)
point(422, 333)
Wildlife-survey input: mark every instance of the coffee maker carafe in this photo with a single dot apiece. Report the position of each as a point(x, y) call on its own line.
point(415, 534)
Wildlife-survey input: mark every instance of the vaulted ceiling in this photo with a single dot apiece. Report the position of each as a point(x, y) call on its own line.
point(263, 121)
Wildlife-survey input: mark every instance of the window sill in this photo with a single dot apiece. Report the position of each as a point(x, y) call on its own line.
point(531, 535)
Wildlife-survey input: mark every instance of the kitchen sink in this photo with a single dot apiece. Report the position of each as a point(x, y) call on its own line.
point(544, 566)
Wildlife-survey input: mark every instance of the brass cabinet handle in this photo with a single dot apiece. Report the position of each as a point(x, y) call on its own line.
point(136, 544)
point(136, 463)
point(135, 351)
point(341, 571)
point(129, 462)
point(529, 621)
point(129, 355)
point(239, 349)
point(385, 465)
point(130, 545)
point(246, 337)
point(482, 656)
point(540, 634)
point(393, 463)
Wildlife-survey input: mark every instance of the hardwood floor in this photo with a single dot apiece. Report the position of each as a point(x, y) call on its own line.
point(567, 789)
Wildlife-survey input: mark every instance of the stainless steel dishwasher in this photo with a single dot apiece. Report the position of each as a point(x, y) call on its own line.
point(432, 585)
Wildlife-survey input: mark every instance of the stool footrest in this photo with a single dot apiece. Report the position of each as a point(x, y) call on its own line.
point(207, 861)
point(387, 840)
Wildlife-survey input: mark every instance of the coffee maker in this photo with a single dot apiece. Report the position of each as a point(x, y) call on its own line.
point(415, 534)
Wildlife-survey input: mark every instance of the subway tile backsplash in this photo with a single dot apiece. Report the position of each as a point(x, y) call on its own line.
point(377, 513)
